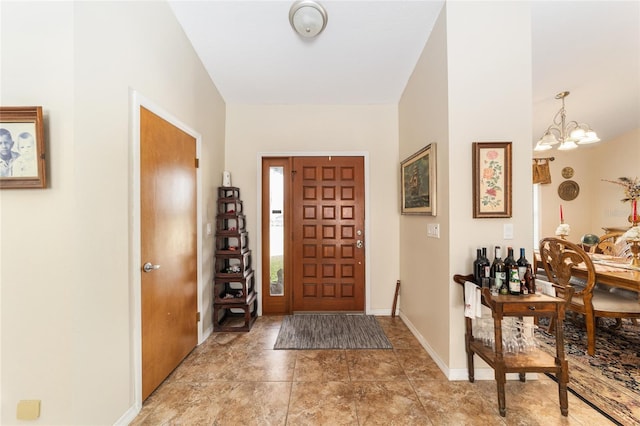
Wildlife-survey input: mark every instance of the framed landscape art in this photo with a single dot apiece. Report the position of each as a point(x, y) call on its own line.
point(22, 156)
point(418, 182)
point(491, 179)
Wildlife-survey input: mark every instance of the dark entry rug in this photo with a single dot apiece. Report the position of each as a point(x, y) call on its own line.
point(610, 380)
point(331, 332)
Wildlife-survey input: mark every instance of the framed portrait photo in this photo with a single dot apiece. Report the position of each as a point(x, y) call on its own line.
point(418, 182)
point(491, 179)
point(22, 156)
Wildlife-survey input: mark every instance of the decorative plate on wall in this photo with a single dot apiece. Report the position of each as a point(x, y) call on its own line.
point(567, 172)
point(568, 190)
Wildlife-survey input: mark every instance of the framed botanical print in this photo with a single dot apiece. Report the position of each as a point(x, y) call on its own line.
point(491, 179)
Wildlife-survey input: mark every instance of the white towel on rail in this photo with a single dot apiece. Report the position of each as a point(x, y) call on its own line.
point(472, 300)
point(545, 287)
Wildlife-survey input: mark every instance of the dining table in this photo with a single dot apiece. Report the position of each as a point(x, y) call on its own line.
point(612, 271)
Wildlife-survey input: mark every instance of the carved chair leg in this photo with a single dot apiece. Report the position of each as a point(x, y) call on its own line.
point(590, 322)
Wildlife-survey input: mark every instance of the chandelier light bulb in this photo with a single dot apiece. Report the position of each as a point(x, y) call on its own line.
point(567, 145)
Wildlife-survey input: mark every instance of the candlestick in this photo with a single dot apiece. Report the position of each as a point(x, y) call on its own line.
point(634, 219)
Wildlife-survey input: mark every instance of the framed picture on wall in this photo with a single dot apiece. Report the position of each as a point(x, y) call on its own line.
point(418, 182)
point(22, 156)
point(491, 179)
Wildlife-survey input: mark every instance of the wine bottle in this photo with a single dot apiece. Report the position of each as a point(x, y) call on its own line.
point(499, 273)
point(477, 267)
point(514, 281)
point(530, 280)
point(486, 266)
point(522, 263)
point(509, 261)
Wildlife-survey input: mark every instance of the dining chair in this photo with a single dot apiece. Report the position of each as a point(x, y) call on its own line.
point(559, 257)
point(609, 245)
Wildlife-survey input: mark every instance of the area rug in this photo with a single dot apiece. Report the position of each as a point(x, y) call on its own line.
point(331, 332)
point(610, 380)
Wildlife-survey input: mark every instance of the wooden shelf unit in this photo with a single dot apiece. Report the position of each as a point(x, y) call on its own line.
point(235, 301)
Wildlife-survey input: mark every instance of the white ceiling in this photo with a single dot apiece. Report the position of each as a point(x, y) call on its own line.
point(369, 49)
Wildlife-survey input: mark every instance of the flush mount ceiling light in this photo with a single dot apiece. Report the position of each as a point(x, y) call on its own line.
point(308, 18)
point(566, 134)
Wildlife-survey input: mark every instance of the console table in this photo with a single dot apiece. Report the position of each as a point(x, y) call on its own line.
point(536, 361)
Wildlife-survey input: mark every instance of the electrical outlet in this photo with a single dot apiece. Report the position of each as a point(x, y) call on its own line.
point(433, 230)
point(28, 409)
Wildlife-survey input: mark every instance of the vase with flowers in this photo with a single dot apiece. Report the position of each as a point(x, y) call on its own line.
point(631, 194)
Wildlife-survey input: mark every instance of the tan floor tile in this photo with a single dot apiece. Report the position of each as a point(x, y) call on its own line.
point(322, 403)
point(266, 365)
point(459, 403)
point(374, 365)
point(389, 403)
point(418, 365)
point(321, 365)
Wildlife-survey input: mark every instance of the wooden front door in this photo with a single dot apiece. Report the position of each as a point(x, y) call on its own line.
point(328, 234)
point(168, 240)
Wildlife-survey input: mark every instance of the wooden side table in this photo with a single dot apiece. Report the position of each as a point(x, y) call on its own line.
point(536, 361)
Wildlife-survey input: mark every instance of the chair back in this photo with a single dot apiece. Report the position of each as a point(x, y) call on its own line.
point(558, 257)
point(609, 245)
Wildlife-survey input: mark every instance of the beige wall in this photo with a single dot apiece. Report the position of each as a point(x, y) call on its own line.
point(423, 118)
point(305, 130)
point(67, 314)
point(487, 47)
point(598, 203)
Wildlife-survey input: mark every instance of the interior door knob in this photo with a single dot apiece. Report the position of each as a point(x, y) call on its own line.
point(148, 267)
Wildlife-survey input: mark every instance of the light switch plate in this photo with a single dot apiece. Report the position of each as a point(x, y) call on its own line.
point(508, 231)
point(433, 230)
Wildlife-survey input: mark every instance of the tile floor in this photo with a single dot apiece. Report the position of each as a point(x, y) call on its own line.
point(238, 379)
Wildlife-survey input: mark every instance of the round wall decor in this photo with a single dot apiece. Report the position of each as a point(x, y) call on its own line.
point(568, 190)
point(567, 172)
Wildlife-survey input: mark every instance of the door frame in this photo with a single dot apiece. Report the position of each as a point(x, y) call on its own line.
point(367, 213)
point(136, 101)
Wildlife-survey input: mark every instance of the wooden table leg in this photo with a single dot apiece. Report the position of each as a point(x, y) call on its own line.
point(502, 404)
point(468, 337)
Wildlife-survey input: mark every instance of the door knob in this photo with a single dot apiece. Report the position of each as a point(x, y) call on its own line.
point(148, 267)
point(359, 243)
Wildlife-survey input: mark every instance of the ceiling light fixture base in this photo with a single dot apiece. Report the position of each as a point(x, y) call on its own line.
point(308, 18)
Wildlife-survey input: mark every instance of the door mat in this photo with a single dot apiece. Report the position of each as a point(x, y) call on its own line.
point(331, 332)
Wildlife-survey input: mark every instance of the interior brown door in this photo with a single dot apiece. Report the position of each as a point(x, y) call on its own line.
point(328, 234)
point(169, 248)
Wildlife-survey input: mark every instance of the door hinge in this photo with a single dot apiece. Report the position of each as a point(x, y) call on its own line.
point(197, 316)
point(197, 163)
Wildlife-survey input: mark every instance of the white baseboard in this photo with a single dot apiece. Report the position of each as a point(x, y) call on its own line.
point(128, 416)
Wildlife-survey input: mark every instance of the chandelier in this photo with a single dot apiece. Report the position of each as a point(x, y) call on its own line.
point(568, 135)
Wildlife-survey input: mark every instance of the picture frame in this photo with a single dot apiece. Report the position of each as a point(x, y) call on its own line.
point(22, 152)
point(491, 179)
point(418, 182)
